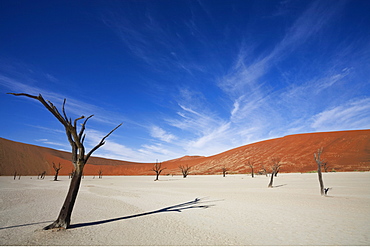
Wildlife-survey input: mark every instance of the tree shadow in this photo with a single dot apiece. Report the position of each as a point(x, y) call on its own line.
point(176, 208)
point(280, 185)
point(29, 224)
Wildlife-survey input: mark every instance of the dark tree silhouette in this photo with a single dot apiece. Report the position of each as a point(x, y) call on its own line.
point(325, 166)
point(264, 171)
point(100, 173)
point(71, 173)
point(79, 157)
point(56, 169)
point(224, 171)
point(157, 168)
point(319, 165)
point(251, 165)
point(41, 175)
point(274, 169)
point(185, 170)
point(15, 175)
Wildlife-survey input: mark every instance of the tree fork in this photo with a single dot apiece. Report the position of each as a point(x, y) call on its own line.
point(79, 159)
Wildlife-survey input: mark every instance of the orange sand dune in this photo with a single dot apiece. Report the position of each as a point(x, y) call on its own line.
point(343, 150)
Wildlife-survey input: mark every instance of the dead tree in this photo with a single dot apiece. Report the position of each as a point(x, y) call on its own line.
point(15, 175)
point(157, 168)
point(100, 173)
point(325, 166)
point(185, 170)
point(56, 169)
point(274, 170)
point(224, 171)
point(71, 173)
point(41, 175)
point(319, 165)
point(264, 171)
point(79, 157)
point(251, 165)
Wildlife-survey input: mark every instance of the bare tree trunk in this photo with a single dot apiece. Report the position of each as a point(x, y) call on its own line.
point(157, 168)
point(64, 218)
point(76, 139)
point(251, 165)
point(319, 165)
point(320, 181)
point(275, 169)
point(271, 179)
point(185, 170)
point(56, 171)
point(224, 171)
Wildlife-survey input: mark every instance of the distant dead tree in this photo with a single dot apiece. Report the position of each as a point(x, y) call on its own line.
point(56, 169)
point(264, 170)
point(251, 165)
point(41, 175)
point(319, 163)
point(15, 175)
point(224, 171)
point(185, 170)
point(157, 168)
point(71, 173)
point(79, 157)
point(274, 169)
point(100, 173)
point(325, 166)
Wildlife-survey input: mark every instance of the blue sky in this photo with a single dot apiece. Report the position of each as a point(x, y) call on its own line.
point(184, 77)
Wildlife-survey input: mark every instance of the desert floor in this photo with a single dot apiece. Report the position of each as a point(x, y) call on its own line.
point(198, 210)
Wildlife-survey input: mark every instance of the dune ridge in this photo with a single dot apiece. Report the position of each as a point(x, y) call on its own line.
point(343, 150)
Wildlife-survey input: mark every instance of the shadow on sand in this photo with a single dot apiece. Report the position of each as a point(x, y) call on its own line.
point(176, 208)
point(29, 224)
point(280, 185)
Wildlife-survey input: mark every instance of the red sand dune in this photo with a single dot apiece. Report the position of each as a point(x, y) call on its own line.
point(343, 150)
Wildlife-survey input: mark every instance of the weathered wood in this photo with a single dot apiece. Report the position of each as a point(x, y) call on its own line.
point(319, 165)
point(185, 170)
point(56, 169)
point(79, 159)
point(274, 169)
point(157, 168)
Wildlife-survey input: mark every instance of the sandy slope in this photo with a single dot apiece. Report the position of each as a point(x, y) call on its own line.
point(236, 210)
point(343, 150)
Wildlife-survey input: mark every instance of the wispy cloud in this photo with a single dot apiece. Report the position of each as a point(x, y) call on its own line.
point(74, 108)
point(351, 115)
point(46, 141)
point(159, 133)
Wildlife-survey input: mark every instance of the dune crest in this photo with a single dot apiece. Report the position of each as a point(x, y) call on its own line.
point(343, 150)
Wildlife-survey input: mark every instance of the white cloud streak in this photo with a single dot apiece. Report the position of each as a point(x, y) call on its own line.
point(351, 115)
point(159, 133)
